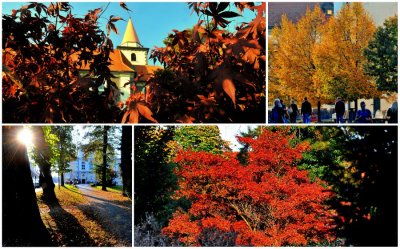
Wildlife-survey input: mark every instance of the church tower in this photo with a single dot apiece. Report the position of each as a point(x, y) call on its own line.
point(131, 47)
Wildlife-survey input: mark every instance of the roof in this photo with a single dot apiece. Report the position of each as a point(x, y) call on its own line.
point(118, 62)
point(146, 71)
point(294, 11)
point(130, 35)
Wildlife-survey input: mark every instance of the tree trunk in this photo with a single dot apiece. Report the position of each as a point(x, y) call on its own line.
point(62, 165)
point(319, 112)
point(62, 178)
point(22, 224)
point(104, 169)
point(45, 179)
point(126, 160)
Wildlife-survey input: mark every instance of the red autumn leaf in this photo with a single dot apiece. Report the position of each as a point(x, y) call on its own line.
point(133, 116)
point(186, 119)
point(145, 112)
point(123, 5)
point(111, 26)
point(115, 18)
point(229, 88)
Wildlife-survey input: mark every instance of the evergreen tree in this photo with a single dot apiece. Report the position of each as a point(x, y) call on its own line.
point(154, 178)
point(382, 56)
point(102, 142)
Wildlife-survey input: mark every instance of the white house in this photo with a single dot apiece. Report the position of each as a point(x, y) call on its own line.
point(83, 170)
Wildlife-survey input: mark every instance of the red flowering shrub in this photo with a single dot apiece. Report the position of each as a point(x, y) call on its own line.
point(267, 203)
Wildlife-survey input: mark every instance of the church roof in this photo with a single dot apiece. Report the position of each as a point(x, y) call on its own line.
point(119, 63)
point(146, 70)
point(130, 35)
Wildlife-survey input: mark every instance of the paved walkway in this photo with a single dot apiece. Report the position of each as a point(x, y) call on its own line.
point(112, 212)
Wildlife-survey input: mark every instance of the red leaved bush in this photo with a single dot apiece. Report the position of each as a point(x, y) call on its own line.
point(267, 203)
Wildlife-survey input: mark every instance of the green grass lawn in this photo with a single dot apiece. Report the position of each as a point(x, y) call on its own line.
point(116, 189)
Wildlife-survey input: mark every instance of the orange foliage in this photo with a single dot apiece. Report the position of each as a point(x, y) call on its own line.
point(267, 203)
point(212, 74)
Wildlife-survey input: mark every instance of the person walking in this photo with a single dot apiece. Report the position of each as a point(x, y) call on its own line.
point(306, 111)
point(285, 116)
point(293, 112)
point(277, 112)
point(339, 109)
point(364, 115)
point(392, 113)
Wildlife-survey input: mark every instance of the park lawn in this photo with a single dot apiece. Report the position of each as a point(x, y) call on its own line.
point(70, 222)
point(115, 189)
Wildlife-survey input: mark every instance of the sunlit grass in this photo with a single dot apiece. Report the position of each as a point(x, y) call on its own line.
point(66, 195)
point(115, 189)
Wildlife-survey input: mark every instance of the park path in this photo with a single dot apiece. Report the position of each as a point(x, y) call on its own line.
point(113, 212)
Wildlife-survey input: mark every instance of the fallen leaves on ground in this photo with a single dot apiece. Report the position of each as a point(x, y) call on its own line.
point(70, 226)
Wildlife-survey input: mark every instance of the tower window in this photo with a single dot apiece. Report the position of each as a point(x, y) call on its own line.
point(133, 57)
point(83, 165)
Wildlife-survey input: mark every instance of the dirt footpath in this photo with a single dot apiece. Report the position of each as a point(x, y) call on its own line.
point(112, 211)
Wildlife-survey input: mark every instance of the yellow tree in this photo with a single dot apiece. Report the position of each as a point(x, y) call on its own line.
point(339, 56)
point(292, 67)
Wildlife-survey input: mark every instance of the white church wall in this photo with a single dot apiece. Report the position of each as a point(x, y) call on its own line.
point(141, 56)
point(123, 78)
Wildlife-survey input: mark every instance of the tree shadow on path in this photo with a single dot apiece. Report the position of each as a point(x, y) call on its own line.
point(112, 218)
point(73, 234)
point(126, 203)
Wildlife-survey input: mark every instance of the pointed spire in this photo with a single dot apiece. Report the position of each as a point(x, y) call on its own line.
point(130, 36)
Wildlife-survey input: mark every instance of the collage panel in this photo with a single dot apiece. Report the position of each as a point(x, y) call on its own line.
point(332, 62)
point(67, 186)
point(247, 185)
point(134, 62)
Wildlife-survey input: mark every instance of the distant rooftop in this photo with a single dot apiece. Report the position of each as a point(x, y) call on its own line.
point(294, 11)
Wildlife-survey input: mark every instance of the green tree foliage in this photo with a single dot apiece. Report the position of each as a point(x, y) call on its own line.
point(110, 173)
point(41, 154)
point(154, 178)
point(102, 143)
point(200, 138)
point(382, 56)
point(360, 164)
point(62, 149)
point(368, 204)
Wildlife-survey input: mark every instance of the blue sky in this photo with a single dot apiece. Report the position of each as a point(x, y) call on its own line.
point(153, 21)
point(337, 6)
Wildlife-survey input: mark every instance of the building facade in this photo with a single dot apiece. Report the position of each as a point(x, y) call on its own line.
point(83, 170)
point(294, 11)
point(128, 60)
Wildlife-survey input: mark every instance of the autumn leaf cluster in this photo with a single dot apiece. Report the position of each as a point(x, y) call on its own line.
point(322, 57)
point(211, 74)
point(269, 202)
point(44, 48)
